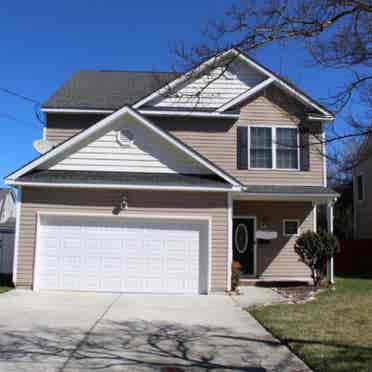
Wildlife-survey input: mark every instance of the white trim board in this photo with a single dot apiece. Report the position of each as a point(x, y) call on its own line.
point(247, 94)
point(105, 124)
point(152, 112)
point(118, 186)
point(16, 238)
point(190, 113)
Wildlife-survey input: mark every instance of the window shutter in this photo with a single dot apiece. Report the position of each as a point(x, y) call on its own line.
point(242, 147)
point(304, 150)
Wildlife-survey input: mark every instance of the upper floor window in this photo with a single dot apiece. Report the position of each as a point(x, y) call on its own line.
point(261, 143)
point(274, 148)
point(360, 187)
point(287, 148)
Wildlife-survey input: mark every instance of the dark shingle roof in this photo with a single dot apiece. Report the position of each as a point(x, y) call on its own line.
point(297, 190)
point(107, 90)
point(125, 178)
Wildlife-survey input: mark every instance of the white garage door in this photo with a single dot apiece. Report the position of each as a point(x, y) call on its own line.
point(122, 255)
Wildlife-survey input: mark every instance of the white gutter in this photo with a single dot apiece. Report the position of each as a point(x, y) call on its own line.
point(320, 118)
point(145, 112)
point(120, 186)
point(190, 113)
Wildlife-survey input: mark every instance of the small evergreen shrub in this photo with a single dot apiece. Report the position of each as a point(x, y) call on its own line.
point(314, 250)
point(235, 275)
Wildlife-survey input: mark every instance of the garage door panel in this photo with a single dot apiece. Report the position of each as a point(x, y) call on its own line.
point(122, 255)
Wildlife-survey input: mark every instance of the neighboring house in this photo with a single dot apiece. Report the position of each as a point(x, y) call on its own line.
point(149, 188)
point(362, 181)
point(7, 230)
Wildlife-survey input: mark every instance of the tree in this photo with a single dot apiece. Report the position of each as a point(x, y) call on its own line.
point(336, 33)
point(314, 250)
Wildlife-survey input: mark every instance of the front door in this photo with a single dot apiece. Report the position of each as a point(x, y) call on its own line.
point(243, 244)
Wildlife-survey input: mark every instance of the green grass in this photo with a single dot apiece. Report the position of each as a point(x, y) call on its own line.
point(5, 283)
point(332, 333)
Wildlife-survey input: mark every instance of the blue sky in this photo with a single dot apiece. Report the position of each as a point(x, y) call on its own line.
point(42, 43)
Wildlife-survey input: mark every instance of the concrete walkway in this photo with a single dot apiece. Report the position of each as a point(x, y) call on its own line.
point(51, 331)
point(252, 296)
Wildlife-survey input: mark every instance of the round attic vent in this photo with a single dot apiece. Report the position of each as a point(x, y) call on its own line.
point(126, 137)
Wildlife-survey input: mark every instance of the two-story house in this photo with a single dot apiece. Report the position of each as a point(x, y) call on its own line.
point(155, 182)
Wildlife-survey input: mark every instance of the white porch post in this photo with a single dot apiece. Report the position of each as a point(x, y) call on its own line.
point(230, 214)
point(330, 271)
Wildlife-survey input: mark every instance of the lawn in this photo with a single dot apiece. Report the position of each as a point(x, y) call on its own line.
point(5, 283)
point(332, 333)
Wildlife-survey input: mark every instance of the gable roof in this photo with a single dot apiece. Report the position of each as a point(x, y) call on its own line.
point(272, 78)
point(106, 90)
point(105, 124)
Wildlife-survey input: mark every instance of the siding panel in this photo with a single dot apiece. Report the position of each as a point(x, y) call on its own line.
point(104, 201)
point(216, 140)
point(278, 258)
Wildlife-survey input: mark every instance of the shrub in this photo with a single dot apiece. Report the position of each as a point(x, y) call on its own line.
point(315, 249)
point(235, 275)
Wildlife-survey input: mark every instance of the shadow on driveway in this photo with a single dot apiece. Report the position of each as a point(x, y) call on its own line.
point(142, 345)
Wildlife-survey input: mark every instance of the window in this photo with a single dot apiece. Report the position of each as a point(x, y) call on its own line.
point(273, 148)
point(126, 137)
point(286, 148)
point(261, 154)
point(290, 227)
point(360, 187)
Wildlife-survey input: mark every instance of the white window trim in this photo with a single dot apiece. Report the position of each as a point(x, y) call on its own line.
point(291, 220)
point(363, 187)
point(274, 147)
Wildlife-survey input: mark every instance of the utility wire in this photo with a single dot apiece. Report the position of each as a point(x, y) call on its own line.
point(36, 103)
point(21, 96)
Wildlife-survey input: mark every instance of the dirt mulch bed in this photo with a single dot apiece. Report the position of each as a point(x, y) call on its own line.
point(298, 294)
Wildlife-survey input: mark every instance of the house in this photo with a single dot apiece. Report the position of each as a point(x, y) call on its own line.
point(362, 179)
point(7, 229)
point(154, 182)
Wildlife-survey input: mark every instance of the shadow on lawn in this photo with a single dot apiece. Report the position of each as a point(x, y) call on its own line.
point(143, 345)
point(334, 356)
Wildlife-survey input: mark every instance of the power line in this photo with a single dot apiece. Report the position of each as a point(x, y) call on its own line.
point(18, 95)
point(28, 99)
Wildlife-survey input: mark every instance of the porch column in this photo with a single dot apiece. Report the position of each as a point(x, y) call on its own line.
point(330, 270)
point(230, 214)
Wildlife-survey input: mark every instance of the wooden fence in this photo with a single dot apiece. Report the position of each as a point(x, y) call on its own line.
point(355, 258)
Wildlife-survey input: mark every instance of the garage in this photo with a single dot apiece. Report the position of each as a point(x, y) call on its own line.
point(122, 254)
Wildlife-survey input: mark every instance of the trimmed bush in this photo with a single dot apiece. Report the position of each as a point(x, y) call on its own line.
point(235, 275)
point(314, 250)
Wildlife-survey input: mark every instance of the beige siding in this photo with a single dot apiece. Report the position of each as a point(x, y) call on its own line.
point(278, 258)
point(216, 140)
point(148, 153)
point(104, 201)
point(60, 127)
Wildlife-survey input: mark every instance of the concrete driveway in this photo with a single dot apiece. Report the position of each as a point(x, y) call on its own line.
point(109, 332)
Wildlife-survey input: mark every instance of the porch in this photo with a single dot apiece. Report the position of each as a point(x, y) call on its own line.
point(265, 223)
